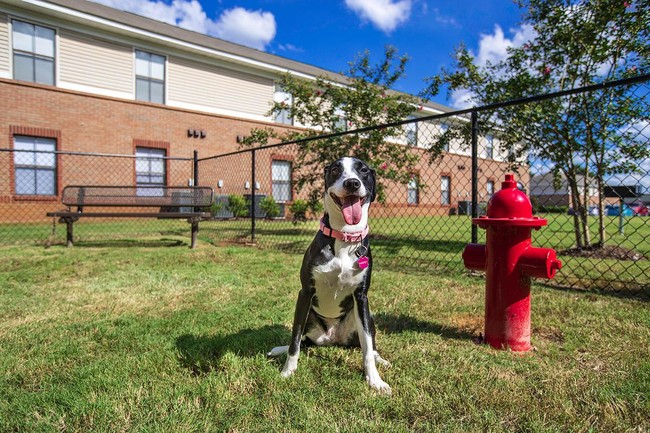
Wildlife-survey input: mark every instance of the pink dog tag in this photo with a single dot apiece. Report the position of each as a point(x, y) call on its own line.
point(363, 262)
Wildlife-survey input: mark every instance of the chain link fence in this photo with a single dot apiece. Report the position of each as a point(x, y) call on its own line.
point(34, 175)
point(421, 226)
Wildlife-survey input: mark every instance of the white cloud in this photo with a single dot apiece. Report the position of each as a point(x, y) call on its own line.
point(384, 14)
point(255, 29)
point(251, 28)
point(492, 49)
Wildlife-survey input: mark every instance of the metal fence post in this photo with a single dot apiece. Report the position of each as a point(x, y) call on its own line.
point(196, 168)
point(474, 174)
point(253, 207)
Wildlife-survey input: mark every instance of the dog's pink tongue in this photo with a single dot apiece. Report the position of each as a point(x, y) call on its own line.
point(351, 207)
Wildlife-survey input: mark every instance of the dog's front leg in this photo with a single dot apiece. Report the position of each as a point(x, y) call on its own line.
point(303, 305)
point(363, 318)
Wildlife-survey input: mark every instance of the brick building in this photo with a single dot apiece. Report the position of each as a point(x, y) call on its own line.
point(76, 76)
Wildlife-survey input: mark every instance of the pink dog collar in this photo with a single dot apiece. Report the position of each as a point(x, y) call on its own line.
point(343, 236)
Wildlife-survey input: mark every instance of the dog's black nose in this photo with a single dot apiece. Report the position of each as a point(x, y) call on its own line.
point(351, 184)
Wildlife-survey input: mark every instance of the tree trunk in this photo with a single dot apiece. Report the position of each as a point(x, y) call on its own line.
point(575, 203)
point(585, 210)
point(602, 235)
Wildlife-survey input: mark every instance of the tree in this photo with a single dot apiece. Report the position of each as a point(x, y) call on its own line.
point(586, 136)
point(326, 106)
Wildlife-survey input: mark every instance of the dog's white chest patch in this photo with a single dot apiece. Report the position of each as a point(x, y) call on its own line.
point(335, 280)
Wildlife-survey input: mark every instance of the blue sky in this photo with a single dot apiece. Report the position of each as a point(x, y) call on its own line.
point(330, 33)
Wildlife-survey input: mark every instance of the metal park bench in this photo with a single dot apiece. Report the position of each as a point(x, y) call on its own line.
point(173, 202)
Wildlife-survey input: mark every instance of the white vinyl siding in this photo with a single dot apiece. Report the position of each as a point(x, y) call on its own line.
point(94, 63)
point(4, 46)
point(195, 84)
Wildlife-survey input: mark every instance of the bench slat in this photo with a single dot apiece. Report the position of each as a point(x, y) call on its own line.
point(137, 196)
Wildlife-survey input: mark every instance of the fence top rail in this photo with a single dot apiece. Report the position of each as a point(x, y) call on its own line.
point(103, 155)
point(489, 107)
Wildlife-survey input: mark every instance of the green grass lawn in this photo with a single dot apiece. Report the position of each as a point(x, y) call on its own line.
point(155, 337)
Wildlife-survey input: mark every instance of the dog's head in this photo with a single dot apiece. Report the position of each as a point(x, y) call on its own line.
point(349, 190)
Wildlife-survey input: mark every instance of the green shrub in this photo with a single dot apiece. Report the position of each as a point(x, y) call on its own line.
point(238, 205)
point(299, 210)
point(270, 207)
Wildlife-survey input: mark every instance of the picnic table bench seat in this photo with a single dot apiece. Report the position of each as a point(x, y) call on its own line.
point(173, 202)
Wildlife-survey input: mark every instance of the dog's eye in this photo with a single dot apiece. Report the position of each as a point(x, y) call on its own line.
point(364, 170)
point(335, 171)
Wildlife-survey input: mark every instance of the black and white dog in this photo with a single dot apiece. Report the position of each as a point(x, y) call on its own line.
point(332, 307)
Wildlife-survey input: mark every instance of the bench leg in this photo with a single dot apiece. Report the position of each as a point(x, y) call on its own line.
point(195, 230)
point(69, 232)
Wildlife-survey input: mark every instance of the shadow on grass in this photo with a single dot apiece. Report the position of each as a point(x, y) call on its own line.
point(202, 354)
point(391, 324)
point(121, 243)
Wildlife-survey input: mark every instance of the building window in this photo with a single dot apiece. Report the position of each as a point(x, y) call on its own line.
point(411, 132)
point(284, 98)
point(490, 188)
point(149, 77)
point(489, 146)
point(340, 121)
point(35, 165)
point(413, 190)
point(150, 170)
point(33, 53)
point(445, 190)
point(281, 181)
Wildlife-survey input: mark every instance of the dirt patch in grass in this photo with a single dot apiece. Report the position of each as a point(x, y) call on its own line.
point(604, 252)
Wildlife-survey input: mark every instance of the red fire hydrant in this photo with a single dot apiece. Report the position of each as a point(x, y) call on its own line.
point(509, 261)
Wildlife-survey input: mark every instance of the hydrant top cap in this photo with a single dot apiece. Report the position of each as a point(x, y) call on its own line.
point(509, 202)
point(509, 207)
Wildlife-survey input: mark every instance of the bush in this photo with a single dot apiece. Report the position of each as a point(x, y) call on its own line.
point(215, 208)
point(299, 210)
point(316, 207)
point(270, 207)
point(238, 205)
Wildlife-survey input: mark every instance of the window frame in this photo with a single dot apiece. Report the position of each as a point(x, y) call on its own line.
point(35, 168)
point(149, 79)
point(487, 187)
point(33, 55)
point(489, 146)
point(149, 159)
point(280, 95)
point(287, 183)
point(413, 186)
point(447, 201)
point(411, 132)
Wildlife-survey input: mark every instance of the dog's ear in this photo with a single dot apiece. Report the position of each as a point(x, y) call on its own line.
point(326, 173)
point(373, 175)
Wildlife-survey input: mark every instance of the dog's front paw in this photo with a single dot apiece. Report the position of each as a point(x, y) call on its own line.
point(379, 385)
point(290, 366)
